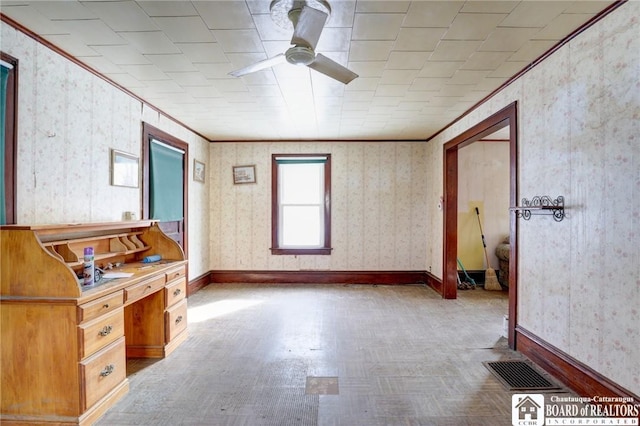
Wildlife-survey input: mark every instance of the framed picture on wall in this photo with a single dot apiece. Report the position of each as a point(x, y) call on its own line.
point(244, 174)
point(198, 171)
point(124, 169)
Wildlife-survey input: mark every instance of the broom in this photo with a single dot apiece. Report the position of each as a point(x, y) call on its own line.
point(490, 279)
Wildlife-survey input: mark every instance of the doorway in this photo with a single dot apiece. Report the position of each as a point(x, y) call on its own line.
point(507, 117)
point(164, 193)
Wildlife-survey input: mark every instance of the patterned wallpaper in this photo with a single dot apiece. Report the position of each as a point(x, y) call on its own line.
point(68, 120)
point(579, 127)
point(378, 194)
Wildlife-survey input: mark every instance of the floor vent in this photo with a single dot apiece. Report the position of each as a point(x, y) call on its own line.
point(519, 376)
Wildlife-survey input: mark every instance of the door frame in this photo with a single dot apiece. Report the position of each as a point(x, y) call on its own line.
point(148, 132)
point(503, 118)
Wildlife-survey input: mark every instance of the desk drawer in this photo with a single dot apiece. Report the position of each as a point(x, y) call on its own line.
point(102, 372)
point(176, 320)
point(176, 273)
point(175, 292)
point(101, 332)
point(143, 289)
point(103, 305)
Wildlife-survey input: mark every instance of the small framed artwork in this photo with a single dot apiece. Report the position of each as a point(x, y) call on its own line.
point(198, 171)
point(244, 174)
point(124, 169)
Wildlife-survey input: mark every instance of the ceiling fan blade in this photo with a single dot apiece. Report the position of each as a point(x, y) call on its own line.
point(332, 69)
point(309, 27)
point(258, 66)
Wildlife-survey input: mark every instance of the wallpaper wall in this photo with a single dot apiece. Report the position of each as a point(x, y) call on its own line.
point(578, 280)
point(378, 194)
point(68, 120)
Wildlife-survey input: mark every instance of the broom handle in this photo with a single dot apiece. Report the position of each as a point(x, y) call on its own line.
point(484, 244)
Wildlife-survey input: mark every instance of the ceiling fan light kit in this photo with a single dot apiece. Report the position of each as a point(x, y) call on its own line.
point(307, 18)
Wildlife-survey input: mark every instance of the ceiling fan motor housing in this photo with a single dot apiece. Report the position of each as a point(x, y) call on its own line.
point(300, 55)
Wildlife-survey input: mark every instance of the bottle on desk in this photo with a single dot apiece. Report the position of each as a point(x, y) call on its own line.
point(88, 271)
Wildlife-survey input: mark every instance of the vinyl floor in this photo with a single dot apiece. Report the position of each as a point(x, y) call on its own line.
point(327, 355)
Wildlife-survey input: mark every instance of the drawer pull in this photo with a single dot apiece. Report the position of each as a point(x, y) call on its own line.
point(177, 292)
point(179, 319)
point(106, 330)
point(105, 306)
point(107, 370)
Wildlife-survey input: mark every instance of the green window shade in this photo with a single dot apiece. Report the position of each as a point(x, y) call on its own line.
point(3, 113)
point(166, 186)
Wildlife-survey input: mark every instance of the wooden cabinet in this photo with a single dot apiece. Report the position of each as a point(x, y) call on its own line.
point(64, 345)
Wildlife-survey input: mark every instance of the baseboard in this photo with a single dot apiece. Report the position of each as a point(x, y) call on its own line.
point(199, 283)
point(434, 282)
point(577, 376)
point(320, 277)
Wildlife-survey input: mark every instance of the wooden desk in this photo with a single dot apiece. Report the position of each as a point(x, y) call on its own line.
point(64, 345)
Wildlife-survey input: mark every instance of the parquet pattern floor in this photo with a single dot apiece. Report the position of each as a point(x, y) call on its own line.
point(400, 355)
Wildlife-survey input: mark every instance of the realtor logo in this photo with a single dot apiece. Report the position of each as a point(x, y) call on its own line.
point(527, 409)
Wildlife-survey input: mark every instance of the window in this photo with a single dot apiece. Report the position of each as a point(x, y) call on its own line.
point(8, 106)
point(301, 204)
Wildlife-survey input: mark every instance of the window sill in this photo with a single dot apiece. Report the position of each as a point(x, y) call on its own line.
point(320, 251)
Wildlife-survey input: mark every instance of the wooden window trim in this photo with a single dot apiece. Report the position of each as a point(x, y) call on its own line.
point(11, 140)
point(275, 244)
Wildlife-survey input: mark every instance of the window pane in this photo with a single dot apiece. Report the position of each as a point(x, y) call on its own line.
point(301, 183)
point(302, 226)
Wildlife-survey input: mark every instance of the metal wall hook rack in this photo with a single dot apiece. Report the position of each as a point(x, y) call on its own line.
point(541, 205)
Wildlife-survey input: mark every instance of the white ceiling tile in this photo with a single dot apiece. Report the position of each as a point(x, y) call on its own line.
point(418, 39)
point(398, 76)
point(185, 29)
point(150, 42)
point(500, 6)
point(164, 86)
point(342, 13)
point(532, 50)
point(218, 70)
point(239, 41)
point(439, 69)
point(122, 15)
point(101, 64)
point(534, 14)
point(172, 63)
point(452, 51)
point(485, 60)
point(367, 69)
point(67, 10)
point(388, 6)
point(457, 90)
point(203, 52)
point(168, 8)
point(473, 26)
point(268, 30)
point(125, 80)
point(392, 90)
point(145, 72)
point(364, 83)
point(185, 79)
point(591, 7)
point(428, 84)
point(334, 40)
point(560, 26)
point(508, 69)
point(407, 60)
point(31, 18)
point(376, 26)
point(467, 77)
point(228, 15)
point(432, 13)
point(370, 50)
point(92, 32)
point(229, 85)
point(203, 91)
point(122, 55)
point(71, 45)
point(508, 39)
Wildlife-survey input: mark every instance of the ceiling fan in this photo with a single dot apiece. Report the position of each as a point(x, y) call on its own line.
point(308, 23)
